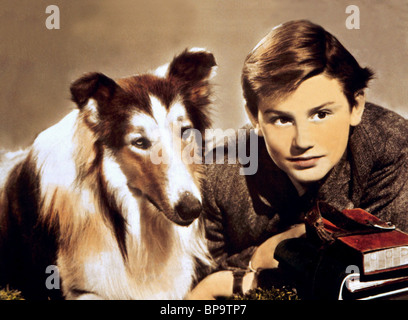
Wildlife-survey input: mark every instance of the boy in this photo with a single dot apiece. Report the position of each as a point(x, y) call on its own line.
point(318, 140)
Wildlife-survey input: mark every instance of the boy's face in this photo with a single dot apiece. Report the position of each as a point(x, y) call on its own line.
point(306, 133)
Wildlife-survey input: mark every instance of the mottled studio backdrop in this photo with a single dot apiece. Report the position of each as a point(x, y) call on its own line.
point(124, 37)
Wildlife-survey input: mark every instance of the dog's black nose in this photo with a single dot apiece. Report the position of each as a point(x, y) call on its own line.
point(188, 208)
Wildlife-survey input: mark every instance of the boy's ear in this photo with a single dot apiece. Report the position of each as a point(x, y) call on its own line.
point(254, 121)
point(258, 130)
point(94, 86)
point(193, 65)
point(358, 109)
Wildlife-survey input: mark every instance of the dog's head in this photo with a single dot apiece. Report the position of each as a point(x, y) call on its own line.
point(149, 123)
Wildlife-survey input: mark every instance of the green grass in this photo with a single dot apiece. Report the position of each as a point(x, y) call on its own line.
point(253, 294)
point(268, 294)
point(9, 294)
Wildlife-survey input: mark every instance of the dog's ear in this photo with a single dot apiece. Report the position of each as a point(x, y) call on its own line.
point(95, 86)
point(193, 65)
point(193, 68)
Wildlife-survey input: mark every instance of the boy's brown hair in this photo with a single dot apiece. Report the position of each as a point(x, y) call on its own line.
point(290, 54)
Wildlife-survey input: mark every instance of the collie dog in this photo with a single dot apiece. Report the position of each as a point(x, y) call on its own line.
point(105, 195)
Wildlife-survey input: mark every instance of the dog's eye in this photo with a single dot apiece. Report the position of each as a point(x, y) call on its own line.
point(141, 143)
point(187, 133)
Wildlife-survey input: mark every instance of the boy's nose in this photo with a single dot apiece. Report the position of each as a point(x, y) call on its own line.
point(303, 139)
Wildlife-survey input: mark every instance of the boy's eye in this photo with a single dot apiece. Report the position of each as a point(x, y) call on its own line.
point(320, 115)
point(281, 121)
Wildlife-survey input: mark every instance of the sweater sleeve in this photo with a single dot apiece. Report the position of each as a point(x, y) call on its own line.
point(386, 190)
point(216, 193)
point(242, 211)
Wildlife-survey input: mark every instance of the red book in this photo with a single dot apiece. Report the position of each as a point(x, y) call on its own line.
point(379, 249)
